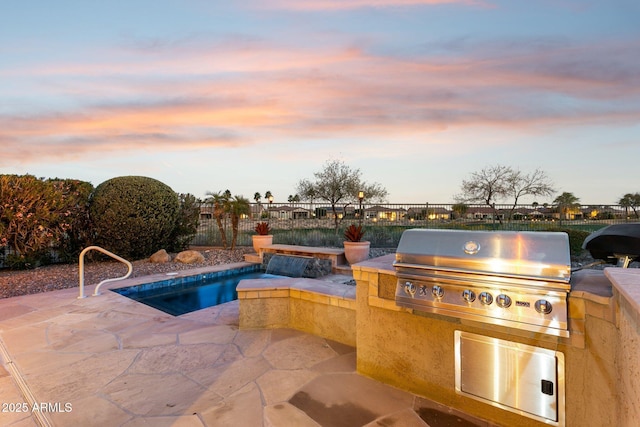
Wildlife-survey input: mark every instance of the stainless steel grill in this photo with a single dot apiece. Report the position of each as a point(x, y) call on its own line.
point(513, 279)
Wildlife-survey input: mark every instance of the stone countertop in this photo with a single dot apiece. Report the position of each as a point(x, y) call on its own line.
point(381, 264)
point(592, 285)
point(627, 282)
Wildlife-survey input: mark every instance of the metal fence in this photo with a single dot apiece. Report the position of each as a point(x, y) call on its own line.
point(314, 224)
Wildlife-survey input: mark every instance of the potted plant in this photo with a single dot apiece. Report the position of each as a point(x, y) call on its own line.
point(355, 249)
point(263, 238)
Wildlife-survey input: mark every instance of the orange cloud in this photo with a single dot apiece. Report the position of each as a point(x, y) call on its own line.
point(255, 93)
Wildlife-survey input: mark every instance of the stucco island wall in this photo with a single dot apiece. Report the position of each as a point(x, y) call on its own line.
point(415, 351)
point(320, 308)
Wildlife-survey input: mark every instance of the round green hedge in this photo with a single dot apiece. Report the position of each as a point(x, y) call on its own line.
point(133, 216)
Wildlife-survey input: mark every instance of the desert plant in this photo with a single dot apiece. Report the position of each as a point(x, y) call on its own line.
point(133, 216)
point(354, 233)
point(186, 225)
point(262, 228)
point(220, 203)
point(238, 207)
point(38, 216)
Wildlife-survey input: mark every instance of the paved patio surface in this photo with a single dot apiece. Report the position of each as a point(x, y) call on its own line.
point(110, 361)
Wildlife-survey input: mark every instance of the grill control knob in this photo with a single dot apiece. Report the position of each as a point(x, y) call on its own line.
point(503, 301)
point(486, 298)
point(543, 306)
point(468, 295)
point(410, 288)
point(437, 291)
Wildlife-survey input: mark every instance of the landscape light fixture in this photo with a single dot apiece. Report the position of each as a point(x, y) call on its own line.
point(360, 198)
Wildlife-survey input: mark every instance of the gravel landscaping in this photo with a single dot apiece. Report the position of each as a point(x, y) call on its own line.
point(54, 277)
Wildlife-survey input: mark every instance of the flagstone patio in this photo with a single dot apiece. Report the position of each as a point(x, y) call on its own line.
point(111, 361)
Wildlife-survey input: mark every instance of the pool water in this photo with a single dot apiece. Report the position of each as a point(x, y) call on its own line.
point(180, 296)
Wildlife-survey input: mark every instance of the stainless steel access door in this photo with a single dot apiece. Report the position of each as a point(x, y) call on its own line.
point(517, 377)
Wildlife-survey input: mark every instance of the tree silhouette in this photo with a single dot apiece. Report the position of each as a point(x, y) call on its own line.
point(338, 184)
point(630, 201)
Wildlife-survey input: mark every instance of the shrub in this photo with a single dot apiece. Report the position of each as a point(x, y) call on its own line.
point(40, 217)
point(133, 216)
point(79, 233)
point(186, 226)
point(576, 238)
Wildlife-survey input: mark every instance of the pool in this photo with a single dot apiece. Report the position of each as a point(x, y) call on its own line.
point(181, 295)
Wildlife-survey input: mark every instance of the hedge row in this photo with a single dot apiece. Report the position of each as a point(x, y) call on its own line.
point(46, 220)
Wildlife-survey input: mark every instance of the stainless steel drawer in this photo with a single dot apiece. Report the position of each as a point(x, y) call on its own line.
point(517, 377)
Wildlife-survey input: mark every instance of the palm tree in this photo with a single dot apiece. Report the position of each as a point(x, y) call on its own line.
point(257, 197)
point(566, 202)
point(220, 208)
point(630, 201)
point(238, 206)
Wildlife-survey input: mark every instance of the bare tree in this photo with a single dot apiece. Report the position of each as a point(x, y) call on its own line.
point(497, 182)
point(338, 185)
point(520, 184)
point(487, 185)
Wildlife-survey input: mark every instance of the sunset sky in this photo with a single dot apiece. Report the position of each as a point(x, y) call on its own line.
point(254, 95)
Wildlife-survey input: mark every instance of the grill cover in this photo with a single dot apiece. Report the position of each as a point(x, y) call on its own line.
point(531, 255)
point(613, 241)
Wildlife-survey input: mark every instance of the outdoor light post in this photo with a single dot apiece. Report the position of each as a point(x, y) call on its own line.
point(360, 198)
point(270, 202)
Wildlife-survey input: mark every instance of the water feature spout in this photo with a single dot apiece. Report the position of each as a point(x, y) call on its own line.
point(287, 265)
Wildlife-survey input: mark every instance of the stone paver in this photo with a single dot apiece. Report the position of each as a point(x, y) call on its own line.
point(110, 361)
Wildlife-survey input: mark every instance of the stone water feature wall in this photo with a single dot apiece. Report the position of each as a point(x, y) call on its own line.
point(316, 267)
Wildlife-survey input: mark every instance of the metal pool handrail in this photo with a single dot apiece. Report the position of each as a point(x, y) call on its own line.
point(106, 252)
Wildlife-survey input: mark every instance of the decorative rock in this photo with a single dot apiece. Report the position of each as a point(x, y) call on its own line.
point(189, 257)
point(160, 257)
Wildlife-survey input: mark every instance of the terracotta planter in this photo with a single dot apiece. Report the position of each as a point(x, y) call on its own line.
point(260, 241)
point(356, 252)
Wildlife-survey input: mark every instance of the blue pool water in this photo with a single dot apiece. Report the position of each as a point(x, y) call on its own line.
point(182, 295)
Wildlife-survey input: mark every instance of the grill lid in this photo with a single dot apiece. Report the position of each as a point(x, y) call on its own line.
point(532, 255)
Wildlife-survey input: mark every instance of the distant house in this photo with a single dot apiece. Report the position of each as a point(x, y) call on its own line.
point(289, 212)
point(384, 213)
point(439, 213)
point(206, 212)
point(431, 213)
point(484, 213)
point(258, 210)
point(603, 212)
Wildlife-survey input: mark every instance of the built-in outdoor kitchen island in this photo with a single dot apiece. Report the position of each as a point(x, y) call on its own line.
point(586, 375)
point(495, 325)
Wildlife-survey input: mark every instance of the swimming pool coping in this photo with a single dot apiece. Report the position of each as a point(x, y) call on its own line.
point(185, 281)
point(177, 275)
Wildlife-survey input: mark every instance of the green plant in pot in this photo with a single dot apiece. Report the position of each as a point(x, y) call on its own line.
point(262, 238)
point(355, 249)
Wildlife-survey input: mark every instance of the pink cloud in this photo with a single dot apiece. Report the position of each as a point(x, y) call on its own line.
point(224, 96)
point(319, 5)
